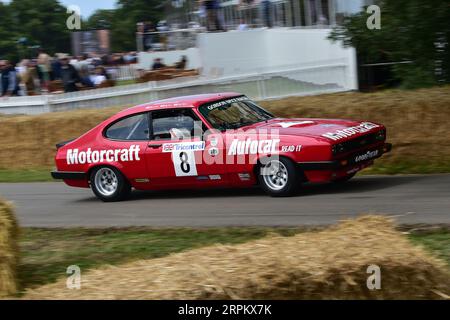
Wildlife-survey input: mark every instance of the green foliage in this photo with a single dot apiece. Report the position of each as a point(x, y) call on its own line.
point(122, 21)
point(43, 24)
point(411, 30)
point(128, 13)
point(8, 37)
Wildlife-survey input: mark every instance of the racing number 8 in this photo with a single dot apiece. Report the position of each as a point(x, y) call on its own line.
point(184, 163)
point(185, 167)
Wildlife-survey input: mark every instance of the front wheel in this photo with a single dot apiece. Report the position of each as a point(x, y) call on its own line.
point(279, 177)
point(109, 185)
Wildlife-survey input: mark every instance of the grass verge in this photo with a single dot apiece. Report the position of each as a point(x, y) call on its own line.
point(31, 175)
point(46, 253)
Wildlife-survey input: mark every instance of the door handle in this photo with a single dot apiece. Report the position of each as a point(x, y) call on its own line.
point(155, 146)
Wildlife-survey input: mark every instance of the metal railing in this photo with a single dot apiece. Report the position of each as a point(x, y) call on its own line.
point(259, 86)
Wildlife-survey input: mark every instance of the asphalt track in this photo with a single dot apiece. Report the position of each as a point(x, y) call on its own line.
point(410, 199)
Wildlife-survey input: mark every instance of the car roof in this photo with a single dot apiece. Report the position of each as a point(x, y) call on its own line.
point(192, 101)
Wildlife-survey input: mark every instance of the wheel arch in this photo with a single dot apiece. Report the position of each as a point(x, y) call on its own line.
point(103, 165)
point(287, 156)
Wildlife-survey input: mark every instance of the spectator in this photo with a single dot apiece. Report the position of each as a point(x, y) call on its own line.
point(99, 76)
point(158, 64)
point(69, 75)
point(56, 68)
point(242, 25)
point(148, 38)
point(181, 65)
point(9, 79)
point(212, 17)
point(29, 77)
point(266, 8)
point(44, 68)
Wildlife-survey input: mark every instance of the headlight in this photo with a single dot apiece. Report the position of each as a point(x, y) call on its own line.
point(337, 148)
point(381, 135)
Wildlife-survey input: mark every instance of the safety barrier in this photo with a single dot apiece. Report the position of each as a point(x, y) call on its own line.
point(259, 86)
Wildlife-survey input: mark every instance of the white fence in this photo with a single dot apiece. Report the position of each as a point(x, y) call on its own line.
point(262, 64)
point(300, 81)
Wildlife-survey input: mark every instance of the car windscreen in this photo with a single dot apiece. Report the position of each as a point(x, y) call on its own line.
point(234, 113)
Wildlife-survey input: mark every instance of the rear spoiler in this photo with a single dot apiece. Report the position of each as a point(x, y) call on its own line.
point(62, 144)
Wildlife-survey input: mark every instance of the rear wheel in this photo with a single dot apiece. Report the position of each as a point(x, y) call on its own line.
point(279, 177)
point(109, 185)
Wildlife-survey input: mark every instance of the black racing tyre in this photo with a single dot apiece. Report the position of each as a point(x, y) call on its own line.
point(344, 179)
point(109, 184)
point(279, 177)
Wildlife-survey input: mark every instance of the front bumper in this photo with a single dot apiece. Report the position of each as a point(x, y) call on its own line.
point(66, 175)
point(350, 161)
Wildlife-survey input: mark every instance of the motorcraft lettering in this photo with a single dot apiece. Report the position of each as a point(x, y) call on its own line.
point(225, 102)
point(366, 156)
point(348, 132)
point(75, 156)
point(183, 146)
point(249, 146)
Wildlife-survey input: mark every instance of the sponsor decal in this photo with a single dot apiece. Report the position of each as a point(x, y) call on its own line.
point(296, 148)
point(244, 176)
point(225, 102)
point(75, 156)
point(249, 146)
point(366, 156)
point(183, 146)
point(213, 141)
point(354, 170)
point(213, 151)
point(293, 123)
point(348, 132)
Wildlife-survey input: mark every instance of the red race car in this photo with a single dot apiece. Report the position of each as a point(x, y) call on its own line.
point(214, 140)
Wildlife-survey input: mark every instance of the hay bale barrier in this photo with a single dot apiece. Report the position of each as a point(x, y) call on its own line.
point(328, 264)
point(9, 253)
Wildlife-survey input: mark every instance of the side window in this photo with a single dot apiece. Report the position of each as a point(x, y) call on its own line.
point(175, 124)
point(130, 128)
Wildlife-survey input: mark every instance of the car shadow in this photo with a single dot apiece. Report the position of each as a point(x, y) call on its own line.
point(356, 185)
point(360, 184)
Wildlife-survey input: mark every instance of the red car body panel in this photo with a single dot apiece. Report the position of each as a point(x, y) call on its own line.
point(146, 165)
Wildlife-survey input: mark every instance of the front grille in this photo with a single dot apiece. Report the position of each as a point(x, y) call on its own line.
point(358, 143)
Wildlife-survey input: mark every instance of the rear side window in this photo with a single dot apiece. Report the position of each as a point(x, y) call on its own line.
point(130, 128)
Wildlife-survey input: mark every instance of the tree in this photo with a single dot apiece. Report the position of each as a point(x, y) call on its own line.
point(42, 22)
point(8, 37)
point(128, 13)
point(411, 30)
point(100, 19)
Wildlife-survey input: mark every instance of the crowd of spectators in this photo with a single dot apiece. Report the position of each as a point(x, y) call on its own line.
point(42, 73)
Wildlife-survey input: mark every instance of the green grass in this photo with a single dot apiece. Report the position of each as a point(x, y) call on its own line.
point(125, 82)
point(437, 242)
point(408, 167)
point(46, 253)
point(31, 175)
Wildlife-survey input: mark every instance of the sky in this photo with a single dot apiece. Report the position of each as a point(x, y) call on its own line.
point(87, 6)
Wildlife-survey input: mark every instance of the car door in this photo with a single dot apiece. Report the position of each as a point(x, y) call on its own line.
point(178, 155)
